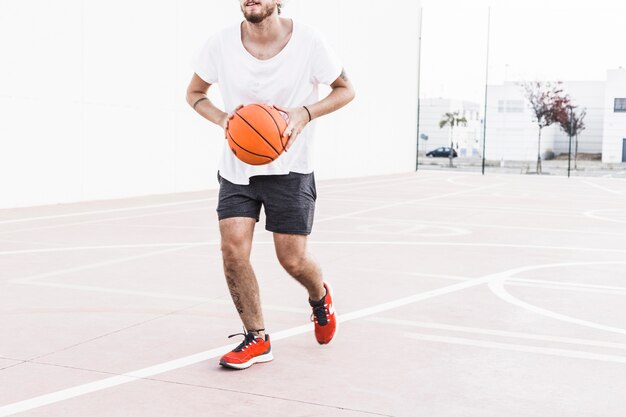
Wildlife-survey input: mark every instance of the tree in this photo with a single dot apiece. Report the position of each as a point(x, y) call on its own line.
point(548, 103)
point(452, 119)
point(572, 124)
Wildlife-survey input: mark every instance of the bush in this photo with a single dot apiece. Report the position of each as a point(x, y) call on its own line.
point(548, 154)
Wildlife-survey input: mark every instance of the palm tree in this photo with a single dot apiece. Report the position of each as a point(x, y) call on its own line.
point(452, 119)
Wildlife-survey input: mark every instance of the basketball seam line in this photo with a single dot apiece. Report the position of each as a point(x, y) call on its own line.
point(244, 149)
point(280, 135)
point(262, 137)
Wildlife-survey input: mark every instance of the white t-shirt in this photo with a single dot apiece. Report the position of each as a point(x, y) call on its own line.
point(289, 79)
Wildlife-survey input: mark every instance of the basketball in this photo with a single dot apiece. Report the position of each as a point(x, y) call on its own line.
point(255, 134)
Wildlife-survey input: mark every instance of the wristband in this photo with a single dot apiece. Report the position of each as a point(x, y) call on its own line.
point(307, 110)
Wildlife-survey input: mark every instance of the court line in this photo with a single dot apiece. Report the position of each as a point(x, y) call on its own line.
point(569, 284)
point(497, 287)
point(493, 332)
point(368, 210)
point(108, 219)
point(411, 229)
point(492, 226)
point(95, 265)
point(372, 184)
point(86, 213)
point(164, 296)
point(592, 214)
point(161, 368)
point(317, 242)
point(505, 209)
point(97, 247)
point(603, 188)
point(116, 210)
point(522, 282)
point(565, 287)
point(272, 307)
point(564, 353)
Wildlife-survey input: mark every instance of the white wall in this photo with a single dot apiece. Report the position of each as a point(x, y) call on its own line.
point(614, 122)
point(511, 135)
point(92, 95)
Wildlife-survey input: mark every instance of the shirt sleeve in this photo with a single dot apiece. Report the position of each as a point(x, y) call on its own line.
point(205, 61)
point(326, 65)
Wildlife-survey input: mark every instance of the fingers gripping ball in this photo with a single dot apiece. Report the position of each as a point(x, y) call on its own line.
point(255, 134)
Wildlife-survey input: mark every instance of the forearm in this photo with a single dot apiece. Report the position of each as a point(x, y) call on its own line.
point(338, 97)
point(205, 108)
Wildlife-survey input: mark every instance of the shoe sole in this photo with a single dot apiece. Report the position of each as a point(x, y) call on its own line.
point(257, 359)
point(332, 293)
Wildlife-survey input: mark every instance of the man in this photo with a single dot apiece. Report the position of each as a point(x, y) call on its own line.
point(273, 60)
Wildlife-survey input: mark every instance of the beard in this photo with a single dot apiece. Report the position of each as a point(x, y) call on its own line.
point(260, 15)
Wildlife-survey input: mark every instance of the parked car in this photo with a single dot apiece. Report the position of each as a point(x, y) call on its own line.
point(444, 152)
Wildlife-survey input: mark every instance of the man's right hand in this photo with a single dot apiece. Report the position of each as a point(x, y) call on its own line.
point(227, 117)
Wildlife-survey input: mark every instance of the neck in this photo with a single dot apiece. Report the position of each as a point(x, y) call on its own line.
point(269, 28)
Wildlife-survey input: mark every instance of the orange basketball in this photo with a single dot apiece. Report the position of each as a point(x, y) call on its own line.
point(255, 134)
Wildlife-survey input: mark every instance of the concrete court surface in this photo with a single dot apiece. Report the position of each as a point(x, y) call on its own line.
point(459, 295)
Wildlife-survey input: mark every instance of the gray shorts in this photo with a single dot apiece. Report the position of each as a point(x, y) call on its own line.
point(288, 200)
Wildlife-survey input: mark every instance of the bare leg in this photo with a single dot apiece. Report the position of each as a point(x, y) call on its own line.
point(292, 255)
point(237, 235)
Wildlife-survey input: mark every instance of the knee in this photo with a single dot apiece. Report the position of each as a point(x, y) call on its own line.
point(294, 265)
point(234, 258)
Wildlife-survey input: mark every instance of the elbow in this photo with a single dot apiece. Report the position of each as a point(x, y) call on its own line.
point(188, 97)
point(351, 93)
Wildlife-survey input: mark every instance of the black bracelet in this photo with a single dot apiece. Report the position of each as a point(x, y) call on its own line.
point(198, 101)
point(307, 110)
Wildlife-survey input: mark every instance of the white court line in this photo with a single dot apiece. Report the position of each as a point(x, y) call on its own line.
point(99, 385)
point(95, 265)
point(563, 353)
point(603, 188)
point(368, 210)
point(569, 284)
point(522, 282)
point(107, 219)
point(592, 214)
point(117, 210)
point(542, 211)
point(497, 287)
point(110, 219)
point(105, 247)
point(318, 242)
point(357, 187)
point(583, 229)
point(492, 332)
point(86, 213)
point(164, 296)
point(566, 287)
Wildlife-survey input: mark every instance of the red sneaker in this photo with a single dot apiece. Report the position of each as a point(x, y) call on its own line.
point(252, 350)
point(324, 317)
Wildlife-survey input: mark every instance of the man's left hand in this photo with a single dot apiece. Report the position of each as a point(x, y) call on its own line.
point(297, 118)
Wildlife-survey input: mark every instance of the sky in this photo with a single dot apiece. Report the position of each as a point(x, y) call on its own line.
point(549, 40)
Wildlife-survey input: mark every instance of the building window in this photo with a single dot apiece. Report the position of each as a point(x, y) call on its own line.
point(515, 106)
point(510, 106)
point(620, 105)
